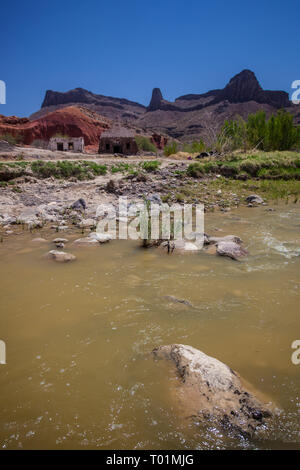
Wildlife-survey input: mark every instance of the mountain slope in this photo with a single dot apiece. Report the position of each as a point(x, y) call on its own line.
point(72, 120)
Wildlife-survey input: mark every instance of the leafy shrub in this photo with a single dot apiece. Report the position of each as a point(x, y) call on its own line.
point(145, 144)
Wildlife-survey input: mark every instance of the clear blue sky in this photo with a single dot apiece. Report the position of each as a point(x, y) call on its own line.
point(124, 48)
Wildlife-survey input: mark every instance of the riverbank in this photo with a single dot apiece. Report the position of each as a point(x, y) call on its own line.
point(37, 192)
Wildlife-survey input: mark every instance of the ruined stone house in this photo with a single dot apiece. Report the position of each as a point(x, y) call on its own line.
point(118, 140)
point(66, 144)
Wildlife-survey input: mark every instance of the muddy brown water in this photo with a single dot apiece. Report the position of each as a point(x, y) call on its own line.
point(79, 372)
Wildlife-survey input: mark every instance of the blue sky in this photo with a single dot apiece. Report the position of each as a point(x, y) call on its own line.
point(125, 48)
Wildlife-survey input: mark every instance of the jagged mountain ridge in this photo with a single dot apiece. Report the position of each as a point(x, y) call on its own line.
point(185, 118)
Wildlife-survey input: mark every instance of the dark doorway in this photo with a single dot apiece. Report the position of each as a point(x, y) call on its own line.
point(60, 146)
point(117, 149)
point(71, 146)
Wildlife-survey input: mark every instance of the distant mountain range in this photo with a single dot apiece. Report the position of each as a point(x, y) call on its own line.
point(188, 117)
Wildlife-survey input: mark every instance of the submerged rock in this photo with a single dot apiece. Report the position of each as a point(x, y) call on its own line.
point(86, 240)
point(172, 298)
point(210, 390)
point(94, 238)
point(60, 256)
point(39, 240)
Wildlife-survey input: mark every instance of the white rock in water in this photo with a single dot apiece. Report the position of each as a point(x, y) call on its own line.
point(60, 256)
point(101, 237)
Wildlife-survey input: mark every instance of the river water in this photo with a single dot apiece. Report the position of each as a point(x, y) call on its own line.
point(79, 336)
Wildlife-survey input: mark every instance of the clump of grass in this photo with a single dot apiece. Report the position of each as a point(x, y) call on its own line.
point(171, 149)
point(150, 166)
point(122, 168)
point(96, 168)
point(196, 170)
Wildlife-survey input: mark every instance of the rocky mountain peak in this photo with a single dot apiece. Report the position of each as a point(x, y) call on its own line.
point(156, 100)
point(242, 87)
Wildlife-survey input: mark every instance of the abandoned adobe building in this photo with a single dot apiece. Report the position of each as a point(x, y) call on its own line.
point(118, 140)
point(66, 144)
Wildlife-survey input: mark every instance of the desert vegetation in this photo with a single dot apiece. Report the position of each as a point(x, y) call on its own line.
point(144, 144)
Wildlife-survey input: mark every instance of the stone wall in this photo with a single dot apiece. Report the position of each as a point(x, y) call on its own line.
point(66, 144)
point(123, 145)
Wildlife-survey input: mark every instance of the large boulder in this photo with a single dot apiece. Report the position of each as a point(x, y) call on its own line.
point(229, 245)
point(212, 391)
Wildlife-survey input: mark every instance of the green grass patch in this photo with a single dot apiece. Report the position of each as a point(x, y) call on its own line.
point(67, 169)
point(150, 166)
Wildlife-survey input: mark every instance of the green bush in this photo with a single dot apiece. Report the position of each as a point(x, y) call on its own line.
point(145, 144)
point(171, 149)
point(276, 133)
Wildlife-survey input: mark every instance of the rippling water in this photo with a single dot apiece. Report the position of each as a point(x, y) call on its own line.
point(79, 371)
